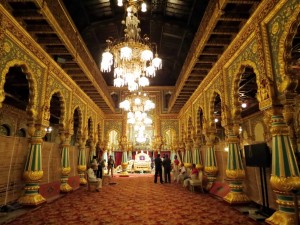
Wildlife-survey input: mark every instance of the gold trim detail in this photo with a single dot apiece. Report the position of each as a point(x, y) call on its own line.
point(281, 218)
point(83, 181)
point(285, 184)
point(81, 168)
point(65, 171)
point(235, 174)
point(65, 187)
point(236, 197)
point(33, 175)
point(33, 200)
point(211, 170)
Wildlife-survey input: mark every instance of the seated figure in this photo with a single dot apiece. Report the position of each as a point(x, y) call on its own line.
point(192, 176)
point(183, 173)
point(93, 179)
point(197, 181)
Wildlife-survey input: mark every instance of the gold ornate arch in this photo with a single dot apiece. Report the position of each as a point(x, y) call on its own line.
point(62, 106)
point(236, 80)
point(198, 126)
point(290, 81)
point(80, 124)
point(214, 94)
point(31, 109)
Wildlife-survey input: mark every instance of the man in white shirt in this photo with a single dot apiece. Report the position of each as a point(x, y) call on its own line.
point(93, 179)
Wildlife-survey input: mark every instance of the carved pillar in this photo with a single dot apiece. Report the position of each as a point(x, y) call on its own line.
point(285, 173)
point(33, 171)
point(288, 114)
point(197, 159)
point(92, 149)
point(65, 162)
point(235, 170)
point(188, 154)
point(124, 164)
point(81, 167)
point(211, 168)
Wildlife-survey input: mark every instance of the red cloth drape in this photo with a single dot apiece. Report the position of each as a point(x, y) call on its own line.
point(118, 158)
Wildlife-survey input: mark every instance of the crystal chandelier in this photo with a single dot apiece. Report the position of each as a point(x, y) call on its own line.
point(132, 56)
point(137, 105)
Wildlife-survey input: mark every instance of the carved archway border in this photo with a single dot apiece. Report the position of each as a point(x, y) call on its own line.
point(236, 111)
point(31, 109)
point(212, 98)
point(62, 106)
point(80, 124)
point(284, 51)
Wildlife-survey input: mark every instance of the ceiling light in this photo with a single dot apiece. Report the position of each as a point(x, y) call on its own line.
point(131, 56)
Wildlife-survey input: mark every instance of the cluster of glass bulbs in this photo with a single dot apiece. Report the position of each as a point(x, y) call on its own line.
point(132, 57)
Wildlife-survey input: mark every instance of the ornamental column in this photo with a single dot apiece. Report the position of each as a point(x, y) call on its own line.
point(65, 162)
point(81, 166)
point(197, 159)
point(124, 163)
point(235, 170)
point(285, 173)
point(33, 171)
point(211, 168)
point(188, 154)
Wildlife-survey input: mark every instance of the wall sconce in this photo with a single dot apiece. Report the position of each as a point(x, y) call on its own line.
point(216, 120)
point(226, 149)
point(240, 130)
point(48, 130)
point(244, 105)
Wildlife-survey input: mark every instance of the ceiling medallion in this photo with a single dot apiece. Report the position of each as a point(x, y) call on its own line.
point(132, 56)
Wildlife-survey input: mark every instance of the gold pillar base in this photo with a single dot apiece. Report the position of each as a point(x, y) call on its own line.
point(83, 181)
point(236, 198)
point(281, 218)
point(199, 166)
point(32, 200)
point(65, 188)
point(124, 174)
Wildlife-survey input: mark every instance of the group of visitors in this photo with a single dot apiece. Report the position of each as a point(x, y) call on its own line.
point(163, 169)
point(95, 171)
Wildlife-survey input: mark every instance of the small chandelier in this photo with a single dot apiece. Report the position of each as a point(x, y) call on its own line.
point(132, 57)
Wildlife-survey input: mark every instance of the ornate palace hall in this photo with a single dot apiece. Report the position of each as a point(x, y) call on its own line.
point(110, 84)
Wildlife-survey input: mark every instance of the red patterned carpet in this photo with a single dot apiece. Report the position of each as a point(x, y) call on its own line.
point(136, 200)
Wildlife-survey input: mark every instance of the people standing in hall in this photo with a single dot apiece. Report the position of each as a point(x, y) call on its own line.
point(158, 169)
point(163, 169)
point(101, 165)
point(110, 166)
point(92, 178)
point(167, 168)
point(175, 168)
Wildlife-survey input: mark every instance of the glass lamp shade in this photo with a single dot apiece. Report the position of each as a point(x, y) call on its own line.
point(157, 63)
point(126, 53)
point(144, 81)
point(118, 72)
point(120, 2)
point(146, 55)
point(105, 67)
point(147, 121)
point(144, 7)
point(137, 101)
point(131, 121)
point(133, 86)
point(125, 105)
point(118, 82)
point(150, 71)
